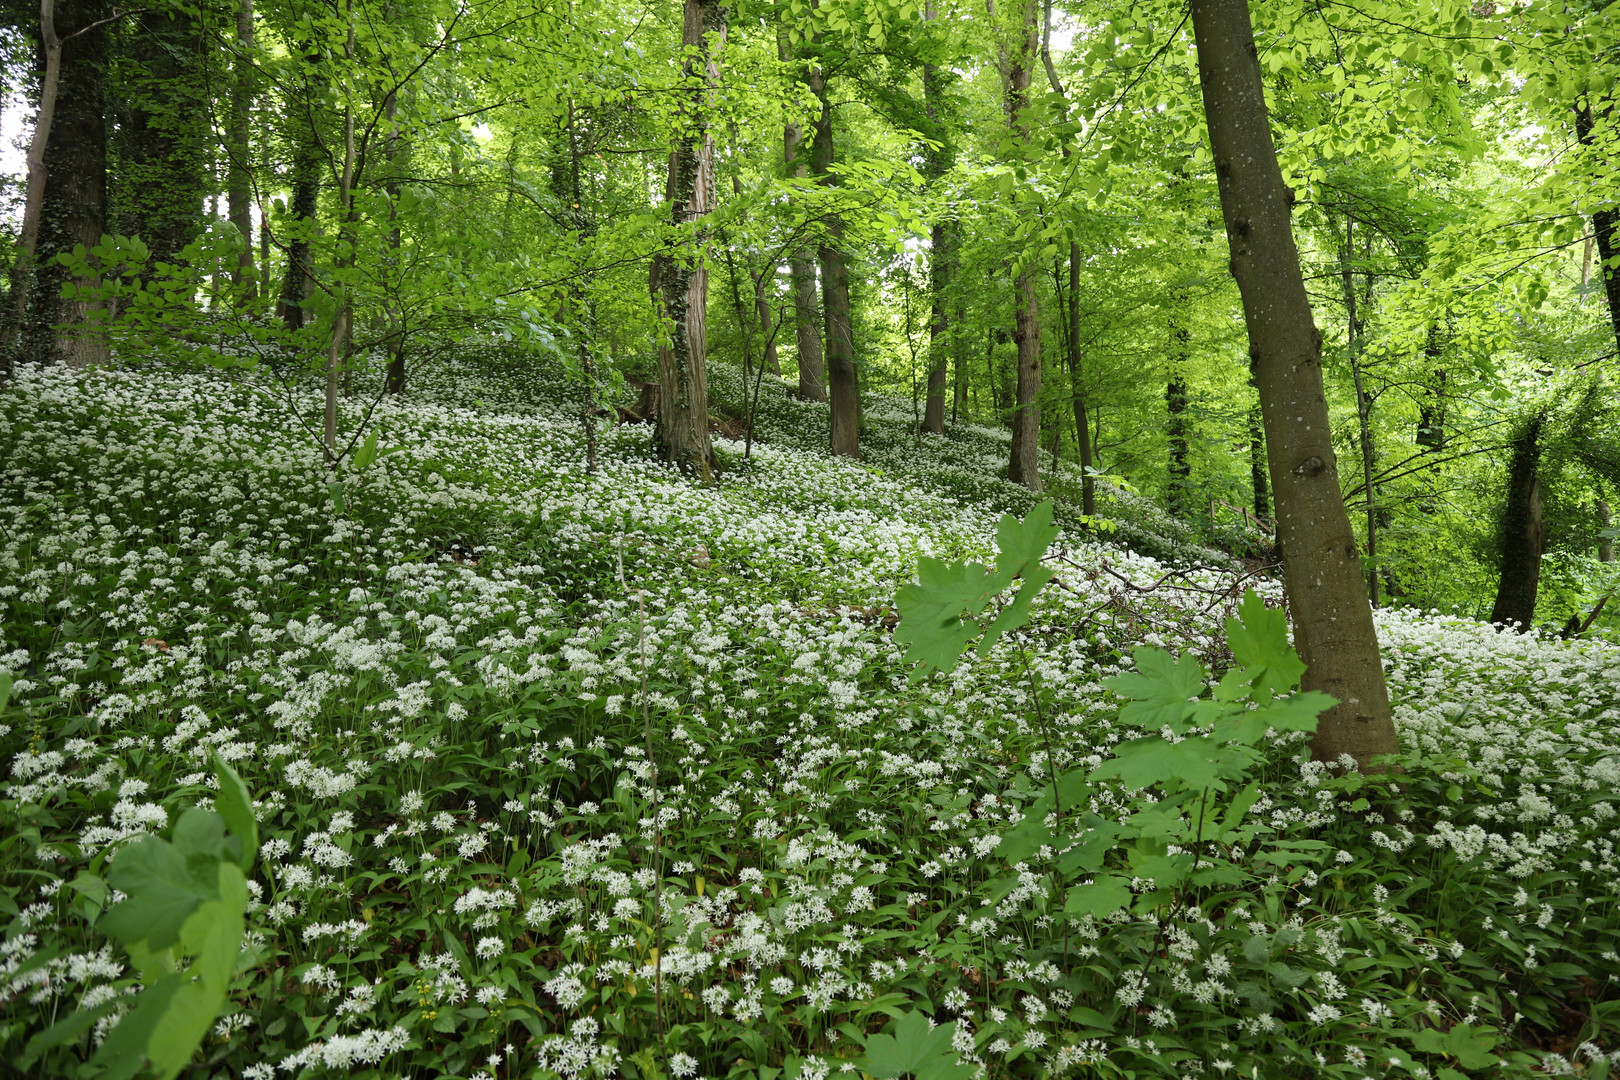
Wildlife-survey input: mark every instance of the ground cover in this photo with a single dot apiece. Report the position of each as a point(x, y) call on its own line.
point(575, 775)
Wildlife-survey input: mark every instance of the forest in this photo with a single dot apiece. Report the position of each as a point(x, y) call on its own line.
point(903, 538)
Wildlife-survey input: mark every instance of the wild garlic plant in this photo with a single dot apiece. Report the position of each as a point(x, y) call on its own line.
point(432, 691)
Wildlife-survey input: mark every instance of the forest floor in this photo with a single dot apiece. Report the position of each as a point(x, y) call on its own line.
point(561, 774)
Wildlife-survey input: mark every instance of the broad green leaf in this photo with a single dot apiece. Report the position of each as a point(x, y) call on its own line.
point(124, 1050)
point(1192, 763)
point(1150, 858)
point(1029, 835)
point(1258, 638)
point(1471, 1046)
point(367, 453)
point(213, 934)
point(1104, 896)
point(1091, 844)
point(1023, 544)
point(915, 1050)
point(1297, 712)
point(200, 834)
point(938, 613)
point(89, 885)
point(235, 806)
point(1240, 806)
point(5, 689)
point(1161, 689)
point(1016, 613)
point(162, 894)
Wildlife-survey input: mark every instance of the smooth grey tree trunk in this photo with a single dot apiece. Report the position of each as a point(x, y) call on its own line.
point(1023, 467)
point(1333, 627)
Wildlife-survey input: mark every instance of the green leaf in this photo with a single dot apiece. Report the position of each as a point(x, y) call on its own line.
point(915, 1049)
point(213, 934)
point(938, 613)
point(1029, 835)
point(1471, 1046)
point(1258, 638)
point(200, 834)
point(1023, 544)
point(1150, 858)
point(235, 806)
point(1141, 763)
point(5, 689)
point(1161, 689)
point(1104, 896)
point(162, 894)
point(1240, 806)
point(367, 453)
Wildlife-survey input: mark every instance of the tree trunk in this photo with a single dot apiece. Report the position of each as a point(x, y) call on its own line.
point(1604, 224)
point(1023, 466)
point(571, 192)
point(681, 434)
point(1071, 340)
point(22, 268)
point(1431, 430)
point(1369, 454)
point(1077, 391)
point(944, 244)
point(393, 153)
point(337, 352)
point(1606, 543)
point(239, 186)
point(762, 309)
point(1522, 531)
point(73, 207)
point(942, 252)
point(802, 271)
point(843, 387)
point(1175, 407)
point(299, 280)
point(1333, 627)
point(165, 135)
point(1257, 464)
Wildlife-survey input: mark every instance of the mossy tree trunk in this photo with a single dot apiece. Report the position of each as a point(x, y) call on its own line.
point(73, 205)
point(1522, 531)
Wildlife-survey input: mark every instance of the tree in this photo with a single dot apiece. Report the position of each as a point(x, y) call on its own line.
point(1017, 66)
point(843, 386)
point(1522, 529)
point(1333, 628)
point(239, 176)
point(802, 267)
point(21, 281)
point(73, 204)
point(680, 278)
point(938, 157)
point(164, 139)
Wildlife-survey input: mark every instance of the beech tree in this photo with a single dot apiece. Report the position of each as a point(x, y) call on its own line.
point(1333, 628)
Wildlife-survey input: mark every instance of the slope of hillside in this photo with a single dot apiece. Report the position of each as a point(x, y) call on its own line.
point(579, 775)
